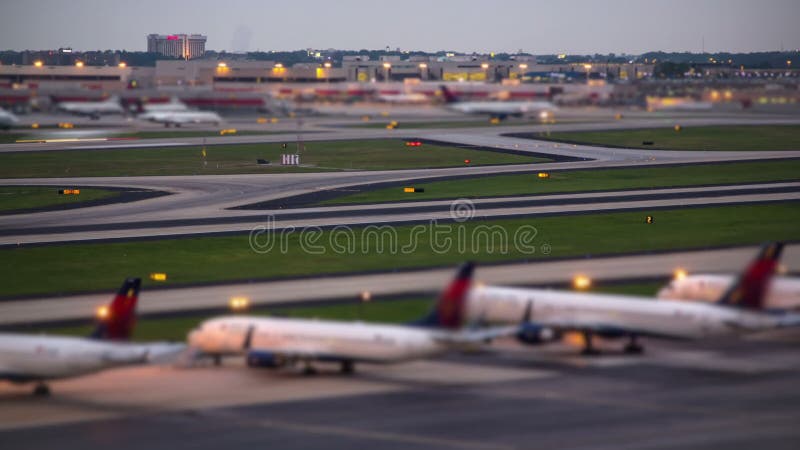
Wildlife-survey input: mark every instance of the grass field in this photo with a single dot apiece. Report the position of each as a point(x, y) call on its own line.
point(740, 137)
point(100, 266)
point(584, 180)
point(227, 159)
point(378, 311)
point(13, 198)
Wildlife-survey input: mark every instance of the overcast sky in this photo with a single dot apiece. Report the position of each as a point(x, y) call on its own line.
point(539, 27)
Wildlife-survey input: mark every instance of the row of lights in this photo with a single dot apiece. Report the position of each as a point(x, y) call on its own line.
point(121, 65)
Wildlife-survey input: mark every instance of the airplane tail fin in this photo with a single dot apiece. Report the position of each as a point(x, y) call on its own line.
point(449, 310)
point(750, 288)
point(448, 95)
point(116, 321)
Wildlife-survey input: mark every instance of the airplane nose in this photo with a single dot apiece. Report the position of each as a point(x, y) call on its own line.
point(195, 338)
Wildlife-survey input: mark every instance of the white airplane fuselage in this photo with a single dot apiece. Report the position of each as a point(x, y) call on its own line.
point(302, 339)
point(499, 108)
point(784, 293)
point(178, 118)
point(613, 313)
point(7, 119)
point(92, 109)
point(36, 358)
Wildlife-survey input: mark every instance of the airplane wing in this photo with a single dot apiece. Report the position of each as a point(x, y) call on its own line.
point(163, 352)
point(476, 335)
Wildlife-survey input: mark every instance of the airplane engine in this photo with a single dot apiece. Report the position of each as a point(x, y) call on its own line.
point(532, 334)
point(265, 359)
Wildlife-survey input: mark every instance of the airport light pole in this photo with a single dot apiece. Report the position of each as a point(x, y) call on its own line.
point(387, 68)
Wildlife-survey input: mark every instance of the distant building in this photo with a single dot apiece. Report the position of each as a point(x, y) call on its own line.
point(184, 46)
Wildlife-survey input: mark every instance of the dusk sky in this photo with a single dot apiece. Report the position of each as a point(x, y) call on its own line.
point(539, 27)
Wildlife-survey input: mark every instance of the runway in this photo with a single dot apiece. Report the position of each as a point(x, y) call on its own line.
point(412, 282)
point(675, 396)
point(195, 200)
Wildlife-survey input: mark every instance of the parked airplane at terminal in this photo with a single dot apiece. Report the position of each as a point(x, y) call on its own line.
point(784, 294)
point(497, 109)
point(178, 118)
point(93, 109)
point(548, 314)
point(173, 105)
point(30, 358)
point(278, 342)
point(7, 119)
point(413, 97)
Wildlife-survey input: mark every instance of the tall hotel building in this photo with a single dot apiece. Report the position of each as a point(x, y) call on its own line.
point(185, 46)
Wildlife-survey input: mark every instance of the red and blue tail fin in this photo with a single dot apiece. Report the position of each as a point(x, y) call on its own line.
point(118, 319)
point(750, 289)
point(450, 308)
point(448, 95)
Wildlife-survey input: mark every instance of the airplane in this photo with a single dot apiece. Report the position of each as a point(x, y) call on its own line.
point(7, 119)
point(403, 98)
point(549, 314)
point(174, 104)
point(784, 294)
point(283, 342)
point(497, 109)
point(178, 118)
point(28, 358)
point(93, 109)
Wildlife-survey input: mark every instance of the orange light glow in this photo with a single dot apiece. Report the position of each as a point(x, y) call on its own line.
point(78, 63)
point(423, 66)
point(222, 64)
point(38, 63)
point(680, 273)
point(239, 303)
point(581, 282)
point(102, 313)
point(122, 65)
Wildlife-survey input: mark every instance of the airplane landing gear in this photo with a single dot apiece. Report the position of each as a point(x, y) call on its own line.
point(633, 347)
point(348, 367)
point(589, 349)
point(309, 370)
point(41, 390)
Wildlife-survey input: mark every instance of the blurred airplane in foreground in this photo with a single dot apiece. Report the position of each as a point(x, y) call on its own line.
point(279, 342)
point(7, 119)
point(497, 109)
point(784, 294)
point(28, 358)
point(93, 109)
point(548, 314)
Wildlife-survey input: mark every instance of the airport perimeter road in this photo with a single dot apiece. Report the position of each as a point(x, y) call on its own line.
point(336, 288)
